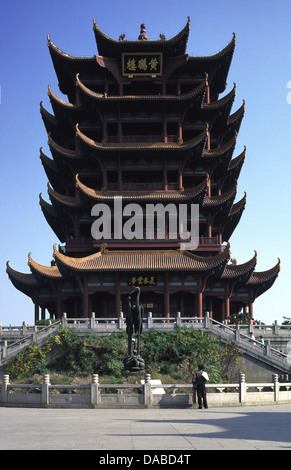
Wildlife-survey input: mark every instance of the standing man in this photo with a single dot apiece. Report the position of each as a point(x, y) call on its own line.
point(199, 380)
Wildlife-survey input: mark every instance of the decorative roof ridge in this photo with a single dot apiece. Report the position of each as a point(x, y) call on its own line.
point(104, 146)
point(62, 150)
point(237, 160)
point(99, 33)
point(264, 276)
point(229, 97)
point(224, 255)
point(107, 98)
point(47, 115)
point(54, 49)
point(63, 259)
point(218, 151)
point(223, 52)
point(47, 271)
point(222, 198)
point(236, 270)
point(60, 256)
point(148, 259)
point(239, 206)
point(46, 161)
point(25, 278)
point(56, 99)
point(71, 201)
point(237, 114)
point(46, 206)
point(130, 195)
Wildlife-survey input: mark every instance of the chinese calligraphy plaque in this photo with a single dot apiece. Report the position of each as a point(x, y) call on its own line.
point(147, 64)
point(140, 280)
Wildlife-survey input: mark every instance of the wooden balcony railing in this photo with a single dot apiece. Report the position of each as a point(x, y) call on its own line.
point(112, 139)
point(84, 243)
point(147, 186)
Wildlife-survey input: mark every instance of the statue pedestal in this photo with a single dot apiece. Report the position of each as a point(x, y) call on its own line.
point(134, 365)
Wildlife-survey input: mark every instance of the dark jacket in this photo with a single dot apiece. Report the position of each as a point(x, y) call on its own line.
point(197, 379)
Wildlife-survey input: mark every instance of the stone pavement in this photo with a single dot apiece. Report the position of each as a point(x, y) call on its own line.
point(185, 430)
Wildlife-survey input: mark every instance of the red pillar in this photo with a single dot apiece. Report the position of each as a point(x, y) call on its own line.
point(226, 303)
point(226, 308)
point(251, 310)
point(59, 302)
point(180, 179)
point(167, 297)
point(210, 308)
point(85, 299)
point(209, 227)
point(251, 304)
point(165, 176)
point(199, 299)
point(117, 295)
point(36, 309)
point(199, 304)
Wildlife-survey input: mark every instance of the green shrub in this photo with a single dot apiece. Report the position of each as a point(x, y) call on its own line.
point(172, 355)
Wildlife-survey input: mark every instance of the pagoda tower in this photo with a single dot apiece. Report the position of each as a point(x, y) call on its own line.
point(143, 124)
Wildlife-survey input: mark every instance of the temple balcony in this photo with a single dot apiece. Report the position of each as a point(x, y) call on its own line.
point(85, 244)
point(137, 138)
point(147, 186)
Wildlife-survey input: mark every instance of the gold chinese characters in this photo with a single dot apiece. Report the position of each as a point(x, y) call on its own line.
point(142, 281)
point(142, 64)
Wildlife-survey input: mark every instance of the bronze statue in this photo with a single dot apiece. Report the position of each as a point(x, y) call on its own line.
point(134, 363)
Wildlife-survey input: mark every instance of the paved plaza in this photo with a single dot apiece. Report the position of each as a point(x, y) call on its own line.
point(185, 430)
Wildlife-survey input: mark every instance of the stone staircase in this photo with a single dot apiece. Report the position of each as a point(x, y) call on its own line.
point(251, 347)
point(14, 339)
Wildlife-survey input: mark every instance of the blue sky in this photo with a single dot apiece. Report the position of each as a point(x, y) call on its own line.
point(261, 69)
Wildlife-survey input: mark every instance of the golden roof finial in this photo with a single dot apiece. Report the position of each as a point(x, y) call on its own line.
point(142, 36)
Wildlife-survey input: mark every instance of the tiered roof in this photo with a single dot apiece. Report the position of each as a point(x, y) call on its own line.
point(195, 195)
point(145, 260)
point(76, 152)
point(142, 260)
point(196, 144)
point(73, 73)
point(108, 47)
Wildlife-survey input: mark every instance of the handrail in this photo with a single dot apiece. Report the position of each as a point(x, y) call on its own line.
point(37, 335)
point(252, 346)
point(110, 324)
point(236, 393)
point(253, 341)
point(24, 329)
point(250, 340)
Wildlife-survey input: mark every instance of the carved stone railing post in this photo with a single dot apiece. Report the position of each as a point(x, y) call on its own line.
point(4, 389)
point(206, 321)
point(95, 395)
point(45, 391)
point(242, 388)
point(147, 390)
point(120, 321)
point(64, 320)
point(237, 333)
point(275, 379)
